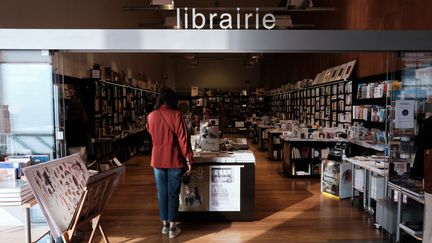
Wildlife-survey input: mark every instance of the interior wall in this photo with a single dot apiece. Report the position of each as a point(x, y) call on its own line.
point(379, 15)
point(279, 69)
point(151, 66)
point(226, 74)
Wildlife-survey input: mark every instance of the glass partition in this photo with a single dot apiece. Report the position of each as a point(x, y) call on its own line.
point(26, 102)
point(411, 115)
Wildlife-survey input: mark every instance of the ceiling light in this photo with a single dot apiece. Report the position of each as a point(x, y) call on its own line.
point(189, 56)
point(163, 4)
point(257, 56)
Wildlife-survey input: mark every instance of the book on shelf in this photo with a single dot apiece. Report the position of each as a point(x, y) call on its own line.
point(325, 153)
point(315, 153)
point(295, 153)
point(305, 152)
point(371, 90)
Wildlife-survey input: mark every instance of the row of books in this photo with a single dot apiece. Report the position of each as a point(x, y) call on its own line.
point(308, 152)
point(15, 192)
point(373, 90)
point(367, 113)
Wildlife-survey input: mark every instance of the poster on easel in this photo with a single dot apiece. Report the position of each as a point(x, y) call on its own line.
point(225, 194)
point(58, 186)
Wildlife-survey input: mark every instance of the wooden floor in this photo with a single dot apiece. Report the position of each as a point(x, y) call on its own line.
point(287, 210)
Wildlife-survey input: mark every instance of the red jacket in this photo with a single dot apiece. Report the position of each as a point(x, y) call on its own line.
point(171, 143)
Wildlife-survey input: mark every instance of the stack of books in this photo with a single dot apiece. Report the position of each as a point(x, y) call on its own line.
point(244, 156)
point(15, 193)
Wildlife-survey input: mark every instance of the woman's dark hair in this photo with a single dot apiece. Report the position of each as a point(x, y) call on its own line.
point(167, 97)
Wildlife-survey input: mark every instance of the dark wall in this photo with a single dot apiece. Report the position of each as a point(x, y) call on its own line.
point(278, 69)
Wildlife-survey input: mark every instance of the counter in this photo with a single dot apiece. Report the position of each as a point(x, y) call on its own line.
point(221, 187)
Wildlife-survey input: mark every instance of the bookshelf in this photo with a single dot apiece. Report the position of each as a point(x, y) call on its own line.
point(303, 157)
point(228, 106)
point(325, 105)
point(117, 116)
point(275, 145)
point(371, 105)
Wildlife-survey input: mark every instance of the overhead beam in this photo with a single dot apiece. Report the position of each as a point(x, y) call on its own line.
point(168, 41)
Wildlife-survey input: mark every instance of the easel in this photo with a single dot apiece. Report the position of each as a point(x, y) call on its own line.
point(98, 191)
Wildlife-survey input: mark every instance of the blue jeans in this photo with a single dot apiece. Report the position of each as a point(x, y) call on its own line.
point(168, 182)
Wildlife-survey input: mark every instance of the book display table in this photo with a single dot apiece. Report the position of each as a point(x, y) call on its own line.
point(221, 187)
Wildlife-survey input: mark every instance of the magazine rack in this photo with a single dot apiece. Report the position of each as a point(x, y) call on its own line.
point(98, 191)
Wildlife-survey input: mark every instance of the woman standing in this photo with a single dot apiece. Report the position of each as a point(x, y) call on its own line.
point(171, 154)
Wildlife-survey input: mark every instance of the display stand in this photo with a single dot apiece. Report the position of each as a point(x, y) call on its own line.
point(306, 164)
point(275, 145)
point(263, 136)
point(98, 191)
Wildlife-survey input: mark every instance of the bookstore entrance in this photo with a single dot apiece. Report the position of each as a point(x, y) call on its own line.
point(336, 119)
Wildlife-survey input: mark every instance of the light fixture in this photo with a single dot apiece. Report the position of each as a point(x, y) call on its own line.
point(163, 4)
point(190, 56)
point(257, 56)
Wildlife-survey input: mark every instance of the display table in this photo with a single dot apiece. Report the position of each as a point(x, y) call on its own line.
point(27, 225)
point(413, 194)
point(275, 144)
point(263, 136)
point(255, 132)
point(221, 187)
point(369, 170)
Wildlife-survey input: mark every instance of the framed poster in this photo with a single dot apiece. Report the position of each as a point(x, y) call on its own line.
point(341, 71)
point(348, 70)
point(327, 75)
point(334, 73)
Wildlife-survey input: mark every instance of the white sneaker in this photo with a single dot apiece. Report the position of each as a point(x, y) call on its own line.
point(165, 230)
point(174, 233)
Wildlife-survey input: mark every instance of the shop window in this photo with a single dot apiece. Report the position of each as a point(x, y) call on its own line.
point(26, 102)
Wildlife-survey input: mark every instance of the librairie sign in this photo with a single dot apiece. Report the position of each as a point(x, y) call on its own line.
point(224, 20)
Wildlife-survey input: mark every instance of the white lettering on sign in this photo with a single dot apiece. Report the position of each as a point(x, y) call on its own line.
point(199, 20)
